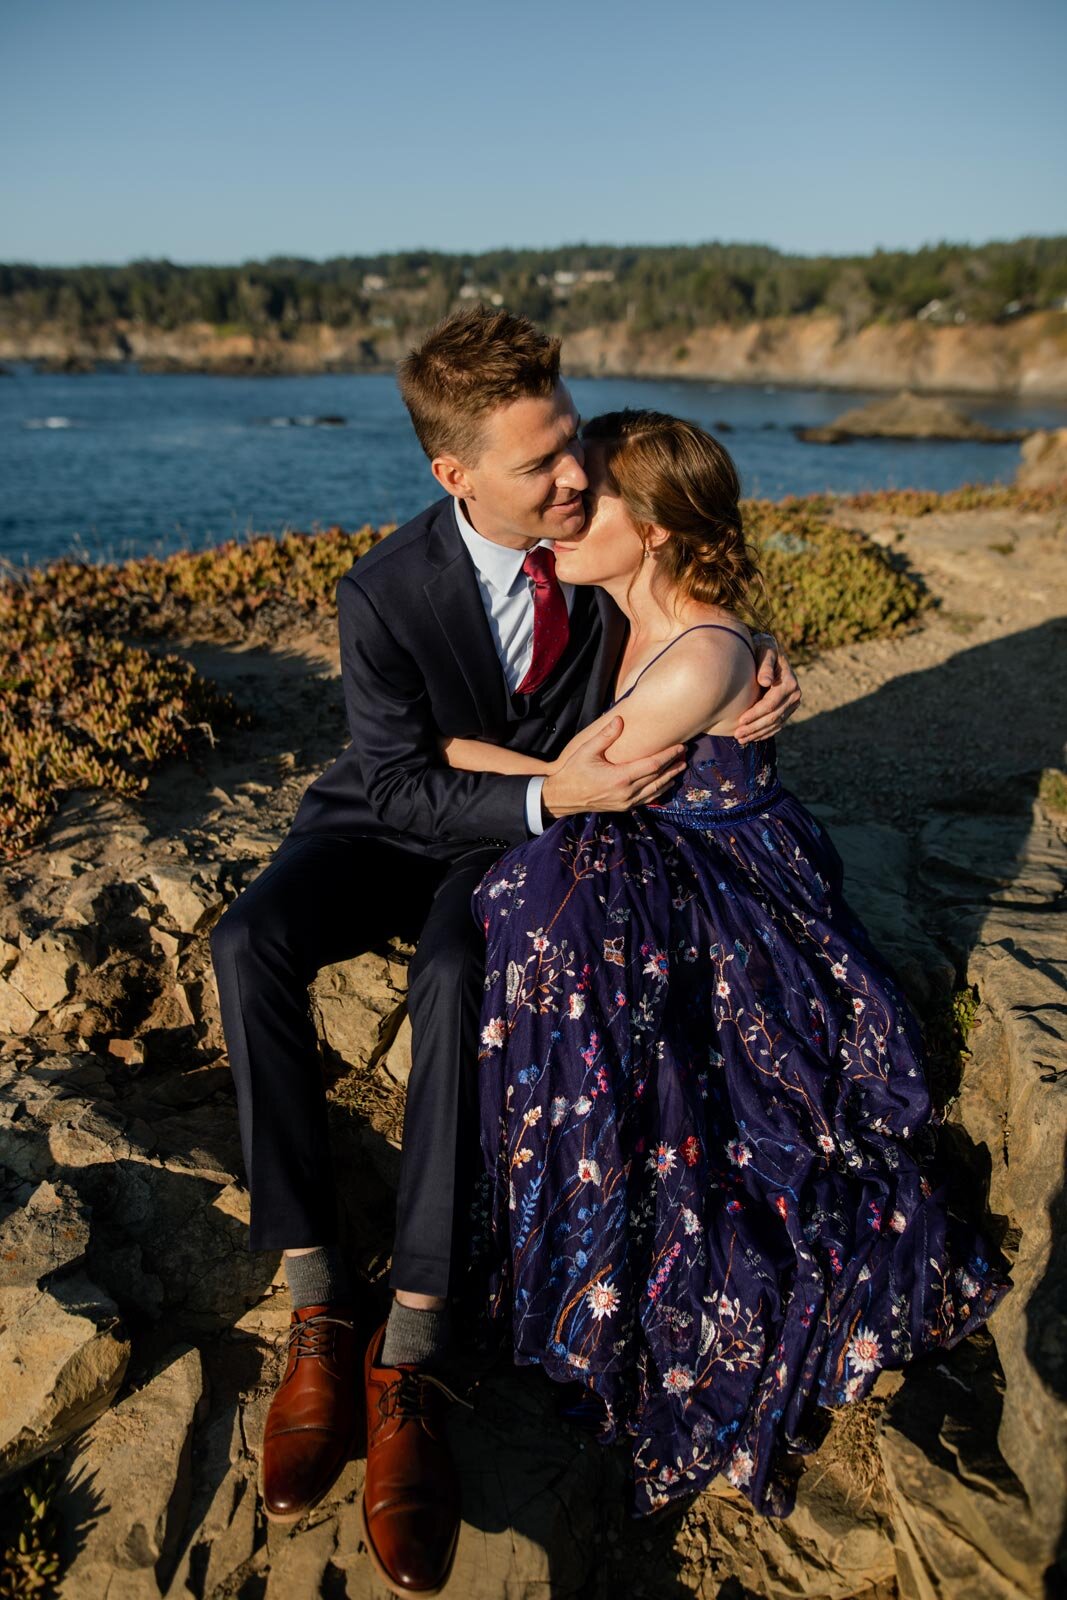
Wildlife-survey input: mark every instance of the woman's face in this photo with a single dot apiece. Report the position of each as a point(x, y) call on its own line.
point(609, 546)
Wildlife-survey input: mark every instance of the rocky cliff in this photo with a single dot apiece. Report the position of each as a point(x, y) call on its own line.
point(1026, 356)
point(138, 1337)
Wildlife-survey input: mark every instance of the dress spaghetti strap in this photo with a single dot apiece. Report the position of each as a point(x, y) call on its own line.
point(722, 629)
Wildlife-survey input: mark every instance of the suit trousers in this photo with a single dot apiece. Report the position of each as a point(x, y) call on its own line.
point(322, 899)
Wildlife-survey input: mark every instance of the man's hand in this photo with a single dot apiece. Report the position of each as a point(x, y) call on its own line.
point(780, 698)
point(585, 780)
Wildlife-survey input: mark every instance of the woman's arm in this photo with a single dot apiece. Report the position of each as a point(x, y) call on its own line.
point(474, 755)
point(705, 682)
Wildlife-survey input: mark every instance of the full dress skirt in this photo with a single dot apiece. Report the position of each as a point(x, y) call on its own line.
point(711, 1197)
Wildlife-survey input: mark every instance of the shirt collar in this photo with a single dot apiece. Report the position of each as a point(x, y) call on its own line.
point(498, 564)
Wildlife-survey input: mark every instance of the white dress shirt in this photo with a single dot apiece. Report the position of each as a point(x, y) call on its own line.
point(507, 596)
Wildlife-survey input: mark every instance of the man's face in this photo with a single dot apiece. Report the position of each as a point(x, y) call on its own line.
point(529, 479)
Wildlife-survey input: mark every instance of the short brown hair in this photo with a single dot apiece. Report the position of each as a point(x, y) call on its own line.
point(470, 363)
point(670, 474)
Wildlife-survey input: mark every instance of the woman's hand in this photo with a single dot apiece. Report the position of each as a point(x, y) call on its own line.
point(781, 693)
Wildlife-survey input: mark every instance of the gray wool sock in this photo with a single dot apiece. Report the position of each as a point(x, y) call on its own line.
point(317, 1278)
point(415, 1338)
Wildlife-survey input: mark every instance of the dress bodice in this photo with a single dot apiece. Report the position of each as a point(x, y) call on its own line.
point(724, 782)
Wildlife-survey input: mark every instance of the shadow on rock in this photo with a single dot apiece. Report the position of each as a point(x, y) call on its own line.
point(544, 1505)
point(981, 868)
point(1003, 703)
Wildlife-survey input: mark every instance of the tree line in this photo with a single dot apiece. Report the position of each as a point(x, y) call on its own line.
point(579, 286)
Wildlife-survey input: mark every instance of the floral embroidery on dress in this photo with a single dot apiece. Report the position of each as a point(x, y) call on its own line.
point(711, 1194)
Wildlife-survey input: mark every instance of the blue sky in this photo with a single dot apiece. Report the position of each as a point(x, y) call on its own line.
point(239, 129)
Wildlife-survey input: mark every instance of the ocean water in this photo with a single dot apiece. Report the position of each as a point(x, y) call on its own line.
point(119, 463)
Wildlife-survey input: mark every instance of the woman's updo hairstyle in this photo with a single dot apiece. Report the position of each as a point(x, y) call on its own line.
point(670, 474)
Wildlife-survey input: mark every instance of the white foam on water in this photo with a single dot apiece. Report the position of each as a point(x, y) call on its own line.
point(48, 422)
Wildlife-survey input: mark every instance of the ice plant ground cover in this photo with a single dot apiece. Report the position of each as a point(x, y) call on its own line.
point(83, 703)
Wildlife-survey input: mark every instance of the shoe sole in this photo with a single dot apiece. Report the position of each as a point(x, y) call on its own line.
point(387, 1577)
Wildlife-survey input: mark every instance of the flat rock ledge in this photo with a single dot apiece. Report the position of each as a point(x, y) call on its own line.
point(140, 1340)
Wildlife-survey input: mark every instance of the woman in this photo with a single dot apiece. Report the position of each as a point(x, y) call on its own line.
point(702, 1094)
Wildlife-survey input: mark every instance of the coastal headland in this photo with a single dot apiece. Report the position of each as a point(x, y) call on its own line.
point(1026, 357)
point(159, 720)
point(987, 319)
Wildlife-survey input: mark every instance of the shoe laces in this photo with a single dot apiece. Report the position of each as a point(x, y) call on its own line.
point(315, 1336)
point(407, 1399)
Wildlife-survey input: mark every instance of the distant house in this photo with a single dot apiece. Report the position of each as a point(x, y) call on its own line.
point(479, 291)
point(939, 311)
point(372, 283)
point(564, 280)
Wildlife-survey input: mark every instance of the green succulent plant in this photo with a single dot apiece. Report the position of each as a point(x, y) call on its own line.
point(29, 1556)
point(82, 706)
point(80, 710)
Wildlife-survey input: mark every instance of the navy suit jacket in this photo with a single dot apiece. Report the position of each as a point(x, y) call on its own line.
point(418, 663)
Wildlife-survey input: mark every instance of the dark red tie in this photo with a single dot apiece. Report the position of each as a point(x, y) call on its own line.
point(551, 624)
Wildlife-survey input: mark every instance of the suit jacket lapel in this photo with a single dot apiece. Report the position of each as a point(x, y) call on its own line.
point(455, 599)
point(456, 602)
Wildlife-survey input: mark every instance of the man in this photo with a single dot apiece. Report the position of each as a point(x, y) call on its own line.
point(454, 626)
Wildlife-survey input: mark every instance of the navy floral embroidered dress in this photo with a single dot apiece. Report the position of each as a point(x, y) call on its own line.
point(700, 1093)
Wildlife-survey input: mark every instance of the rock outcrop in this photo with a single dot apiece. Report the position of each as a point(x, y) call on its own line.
point(906, 416)
point(1044, 458)
point(1004, 896)
point(129, 1485)
point(140, 1340)
point(948, 1483)
point(63, 1353)
point(1025, 356)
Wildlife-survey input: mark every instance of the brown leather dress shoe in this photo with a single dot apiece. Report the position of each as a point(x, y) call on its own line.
point(311, 1424)
point(411, 1501)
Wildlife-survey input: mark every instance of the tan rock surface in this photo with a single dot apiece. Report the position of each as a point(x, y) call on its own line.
point(132, 1474)
point(357, 1007)
point(48, 1230)
point(1044, 458)
point(143, 1151)
point(44, 971)
point(1013, 1102)
point(187, 904)
point(62, 1357)
point(17, 1015)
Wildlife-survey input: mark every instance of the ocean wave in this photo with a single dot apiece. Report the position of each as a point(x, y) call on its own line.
point(302, 422)
point(49, 422)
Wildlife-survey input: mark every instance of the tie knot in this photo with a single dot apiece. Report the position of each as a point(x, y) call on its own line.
point(540, 564)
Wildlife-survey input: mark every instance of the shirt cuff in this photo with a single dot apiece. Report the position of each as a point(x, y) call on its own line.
point(534, 822)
